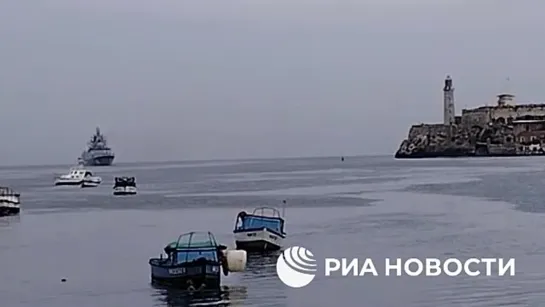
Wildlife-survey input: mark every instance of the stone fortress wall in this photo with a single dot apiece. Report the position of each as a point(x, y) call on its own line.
point(482, 115)
point(505, 129)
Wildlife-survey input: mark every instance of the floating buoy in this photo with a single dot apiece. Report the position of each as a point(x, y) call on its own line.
point(342, 158)
point(236, 260)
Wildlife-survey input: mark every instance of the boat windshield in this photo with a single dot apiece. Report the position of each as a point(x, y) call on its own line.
point(194, 255)
point(193, 246)
point(125, 181)
point(259, 222)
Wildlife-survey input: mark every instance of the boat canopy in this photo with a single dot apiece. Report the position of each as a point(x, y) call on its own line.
point(193, 246)
point(259, 219)
point(266, 211)
point(193, 241)
point(260, 222)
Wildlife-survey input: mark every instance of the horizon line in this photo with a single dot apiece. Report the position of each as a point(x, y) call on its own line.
point(4, 166)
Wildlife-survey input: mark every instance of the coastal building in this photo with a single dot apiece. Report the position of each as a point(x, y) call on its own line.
point(505, 129)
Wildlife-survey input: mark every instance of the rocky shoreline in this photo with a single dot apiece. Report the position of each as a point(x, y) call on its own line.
point(439, 140)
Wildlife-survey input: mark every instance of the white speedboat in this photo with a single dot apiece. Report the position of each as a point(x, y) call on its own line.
point(125, 186)
point(9, 202)
point(263, 230)
point(78, 176)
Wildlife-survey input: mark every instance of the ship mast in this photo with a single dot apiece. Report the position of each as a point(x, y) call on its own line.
point(97, 140)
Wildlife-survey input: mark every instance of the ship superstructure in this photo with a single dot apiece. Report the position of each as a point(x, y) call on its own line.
point(97, 153)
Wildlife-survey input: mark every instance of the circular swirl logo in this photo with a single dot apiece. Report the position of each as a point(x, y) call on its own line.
point(296, 267)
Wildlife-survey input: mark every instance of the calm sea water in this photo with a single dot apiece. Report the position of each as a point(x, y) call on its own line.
point(372, 207)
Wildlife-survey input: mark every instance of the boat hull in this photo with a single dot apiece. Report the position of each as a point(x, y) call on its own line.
point(208, 274)
point(9, 210)
point(82, 183)
point(68, 183)
point(258, 240)
point(89, 184)
point(125, 191)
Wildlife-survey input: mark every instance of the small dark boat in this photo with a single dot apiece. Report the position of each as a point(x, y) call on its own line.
point(10, 203)
point(263, 230)
point(194, 262)
point(124, 186)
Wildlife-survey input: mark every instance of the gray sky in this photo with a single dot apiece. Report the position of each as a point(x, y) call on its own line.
point(179, 79)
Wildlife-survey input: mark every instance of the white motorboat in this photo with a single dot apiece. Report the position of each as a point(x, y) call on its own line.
point(9, 202)
point(78, 176)
point(125, 186)
point(263, 230)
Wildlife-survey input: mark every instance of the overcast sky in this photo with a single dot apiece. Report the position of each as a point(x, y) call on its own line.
point(180, 79)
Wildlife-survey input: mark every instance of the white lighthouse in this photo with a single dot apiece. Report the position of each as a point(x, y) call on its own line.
point(448, 102)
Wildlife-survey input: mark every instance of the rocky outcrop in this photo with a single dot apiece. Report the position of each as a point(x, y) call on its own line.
point(438, 140)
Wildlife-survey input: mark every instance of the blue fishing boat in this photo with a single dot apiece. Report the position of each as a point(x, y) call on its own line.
point(194, 262)
point(261, 231)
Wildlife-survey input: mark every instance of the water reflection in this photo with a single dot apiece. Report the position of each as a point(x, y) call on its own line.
point(226, 296)
point(262, 280)
point(262, 264)
point(8, 221)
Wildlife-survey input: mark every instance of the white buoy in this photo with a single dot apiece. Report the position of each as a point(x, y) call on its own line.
point(236, 260)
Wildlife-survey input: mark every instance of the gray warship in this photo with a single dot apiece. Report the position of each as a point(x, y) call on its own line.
point(97, 153)
point(503, 129)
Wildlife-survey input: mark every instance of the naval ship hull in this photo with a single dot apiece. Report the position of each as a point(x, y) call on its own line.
point(97, 153)
point(99, 161)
